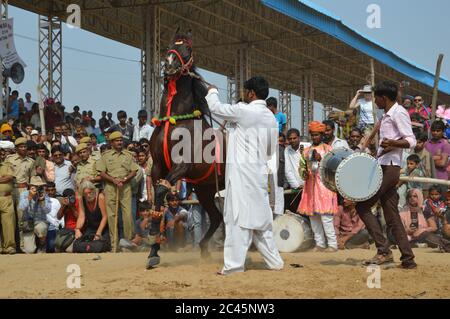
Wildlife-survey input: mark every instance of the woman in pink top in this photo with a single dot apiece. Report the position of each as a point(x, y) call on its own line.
point(419, 229)
point(443, 112)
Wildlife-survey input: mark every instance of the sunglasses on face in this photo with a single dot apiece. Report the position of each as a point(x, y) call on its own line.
point(417, 100)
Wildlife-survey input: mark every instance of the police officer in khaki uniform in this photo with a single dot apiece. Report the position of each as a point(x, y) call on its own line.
point(7, 217)
point(117, 168)
point(23, 169)
point(86, 168)
point(94, 154)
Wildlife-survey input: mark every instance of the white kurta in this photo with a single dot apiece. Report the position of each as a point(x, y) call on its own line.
point(253, 128)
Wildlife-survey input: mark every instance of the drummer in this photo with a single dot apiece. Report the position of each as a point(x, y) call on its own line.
point(317, 202)
point(395, 135)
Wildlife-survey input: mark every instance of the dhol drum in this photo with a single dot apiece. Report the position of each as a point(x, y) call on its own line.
point(356, 176)
point(292, 233)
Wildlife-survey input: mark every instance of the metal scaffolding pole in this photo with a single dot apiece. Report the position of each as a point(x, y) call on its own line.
point(4, 85)
point(285, 99)
point(305, 105)
point(151, 80)
point(242, 70)
point(232, 92)
point(311, 99)
point(50, 57)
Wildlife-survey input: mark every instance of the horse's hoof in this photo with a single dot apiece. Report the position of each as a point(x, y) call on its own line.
point(205, 254)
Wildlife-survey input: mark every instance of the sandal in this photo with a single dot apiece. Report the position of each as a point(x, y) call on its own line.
point(379, 260)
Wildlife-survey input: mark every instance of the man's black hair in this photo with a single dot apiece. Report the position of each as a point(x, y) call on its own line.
point(329, 123)
point(435, 187)
point(93, 135)
point(145, 205)
point(388, 89)
point(15, 92)
point(57, 149)
point(31, 145)
point(259, 85)
point(414, 158)
point(356, 129)
point(438, 125)
point(271, 101)
point(68, 192)
point(50, 185)
point(281, 135)
point(121, 114)
point(41, 147)
point(422, 137)
point(293, 131)
point(143, 140)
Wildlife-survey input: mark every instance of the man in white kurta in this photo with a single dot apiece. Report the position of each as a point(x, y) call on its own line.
point(252, 141)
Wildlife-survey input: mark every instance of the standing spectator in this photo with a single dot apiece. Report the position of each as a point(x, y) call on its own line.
point(317, 202)
point(124, 128)
point(35, 119)
point(355, 138)
point(281, 118)
point(292, 157)
point(142, 129)
point(363, 102)
point(76, 112)
point(35, 136)
point(67, 138)
point(63, 171)
point(330, 139)
point(52, 218)
point(28, 102)
point(439, 149)
point(424, 155)
point(350, 230)
point(117, 168)
point(111, 121)
point(35, 205)
point(22, 169)
point(104, 122)
point(7, 220)
point(13, 107)
point(49, 166)
point(53, 115)
point(7, 132)
point(422, 110)
point(412, 170)
point(282, 140)
point(86, 170)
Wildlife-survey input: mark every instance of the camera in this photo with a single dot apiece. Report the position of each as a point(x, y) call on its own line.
point(71, 199)
point(41, 191)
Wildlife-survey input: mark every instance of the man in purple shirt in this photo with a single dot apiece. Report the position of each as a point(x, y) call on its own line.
point(395, 135)
point(439, 149)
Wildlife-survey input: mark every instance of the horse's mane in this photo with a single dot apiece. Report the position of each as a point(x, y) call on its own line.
point(200, 91)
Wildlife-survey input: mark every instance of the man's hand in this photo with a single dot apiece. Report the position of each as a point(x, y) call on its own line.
point(39, 170)
point(78, 233)
point(212, 87)
point(118, 182)
point(385, 143)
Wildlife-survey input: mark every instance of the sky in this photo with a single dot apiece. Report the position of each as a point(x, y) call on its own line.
point(414, 29)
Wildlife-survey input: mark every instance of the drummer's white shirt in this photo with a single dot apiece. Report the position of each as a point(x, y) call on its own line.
point(339, 143)
point(291, 166)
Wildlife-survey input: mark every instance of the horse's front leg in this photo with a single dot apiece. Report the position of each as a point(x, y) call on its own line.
point(177, 172)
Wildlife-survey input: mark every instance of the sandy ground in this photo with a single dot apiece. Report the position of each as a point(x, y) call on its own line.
point(186, 275)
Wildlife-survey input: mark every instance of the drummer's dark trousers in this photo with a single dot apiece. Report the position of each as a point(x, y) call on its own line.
point(389, 200)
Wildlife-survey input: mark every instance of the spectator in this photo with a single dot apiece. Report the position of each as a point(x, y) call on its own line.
point(174, 222)
point(49, 166)
point(350, 230)
point(124, 128)
point(7, 220)
point(13, 107)
point(330, 139)
point(104, 122)
point(355, 138)
point(147, 229)
point(53, 115)
point(35, 118)
point(91, 233)
point(66, 138)
point(363, 102)
point(443, 111)
point(63, 171)
point(35, 136)
point(422, 110)
point(420, 229)
point(436, 207)
point(142, 129)
point(318, 202)
point(76, 112)
point(292, 156)
point(53, 222)
point(281, 118)
point(35, 205)
point(439, 149)
point(28, 102)
point(111, 121)
point(412, 170)
point(444, 219)
point(282, 139)
point(424, 155)
point(7, 132)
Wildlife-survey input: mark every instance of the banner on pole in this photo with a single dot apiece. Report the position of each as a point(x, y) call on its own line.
point(8, 51)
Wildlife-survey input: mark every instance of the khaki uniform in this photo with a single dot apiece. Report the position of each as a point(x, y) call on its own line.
point(86, 169)
point(96, 155)
point(7, 217)
point(118, 165)
point(148, 172)
point(23, 169)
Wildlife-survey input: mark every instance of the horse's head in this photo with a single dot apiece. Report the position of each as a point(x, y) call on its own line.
point(179, 59)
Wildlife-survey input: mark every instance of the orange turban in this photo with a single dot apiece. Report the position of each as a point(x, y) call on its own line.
point(316, 127)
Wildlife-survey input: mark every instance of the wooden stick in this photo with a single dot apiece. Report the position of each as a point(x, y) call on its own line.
point(116, 221)
point(437, 77)
point(374, 107)
point(425, 180)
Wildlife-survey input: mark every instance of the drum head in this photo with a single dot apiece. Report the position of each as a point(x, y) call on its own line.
point(288, 233)
point(359, 177)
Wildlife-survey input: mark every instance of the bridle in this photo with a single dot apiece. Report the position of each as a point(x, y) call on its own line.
point(185, 66)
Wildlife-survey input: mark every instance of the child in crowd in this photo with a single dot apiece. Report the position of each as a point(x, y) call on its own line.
point(440, 210)
point(412, 170)
point(174, 222)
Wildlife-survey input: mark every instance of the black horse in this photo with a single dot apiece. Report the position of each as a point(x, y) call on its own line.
point(184, 93)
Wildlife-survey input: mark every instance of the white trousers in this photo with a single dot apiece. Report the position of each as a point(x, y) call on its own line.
point(323, 229)
point(279, 201)
point(238, 241)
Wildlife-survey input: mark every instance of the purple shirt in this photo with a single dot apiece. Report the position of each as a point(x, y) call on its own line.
point(395, 125)
point(443, 147)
